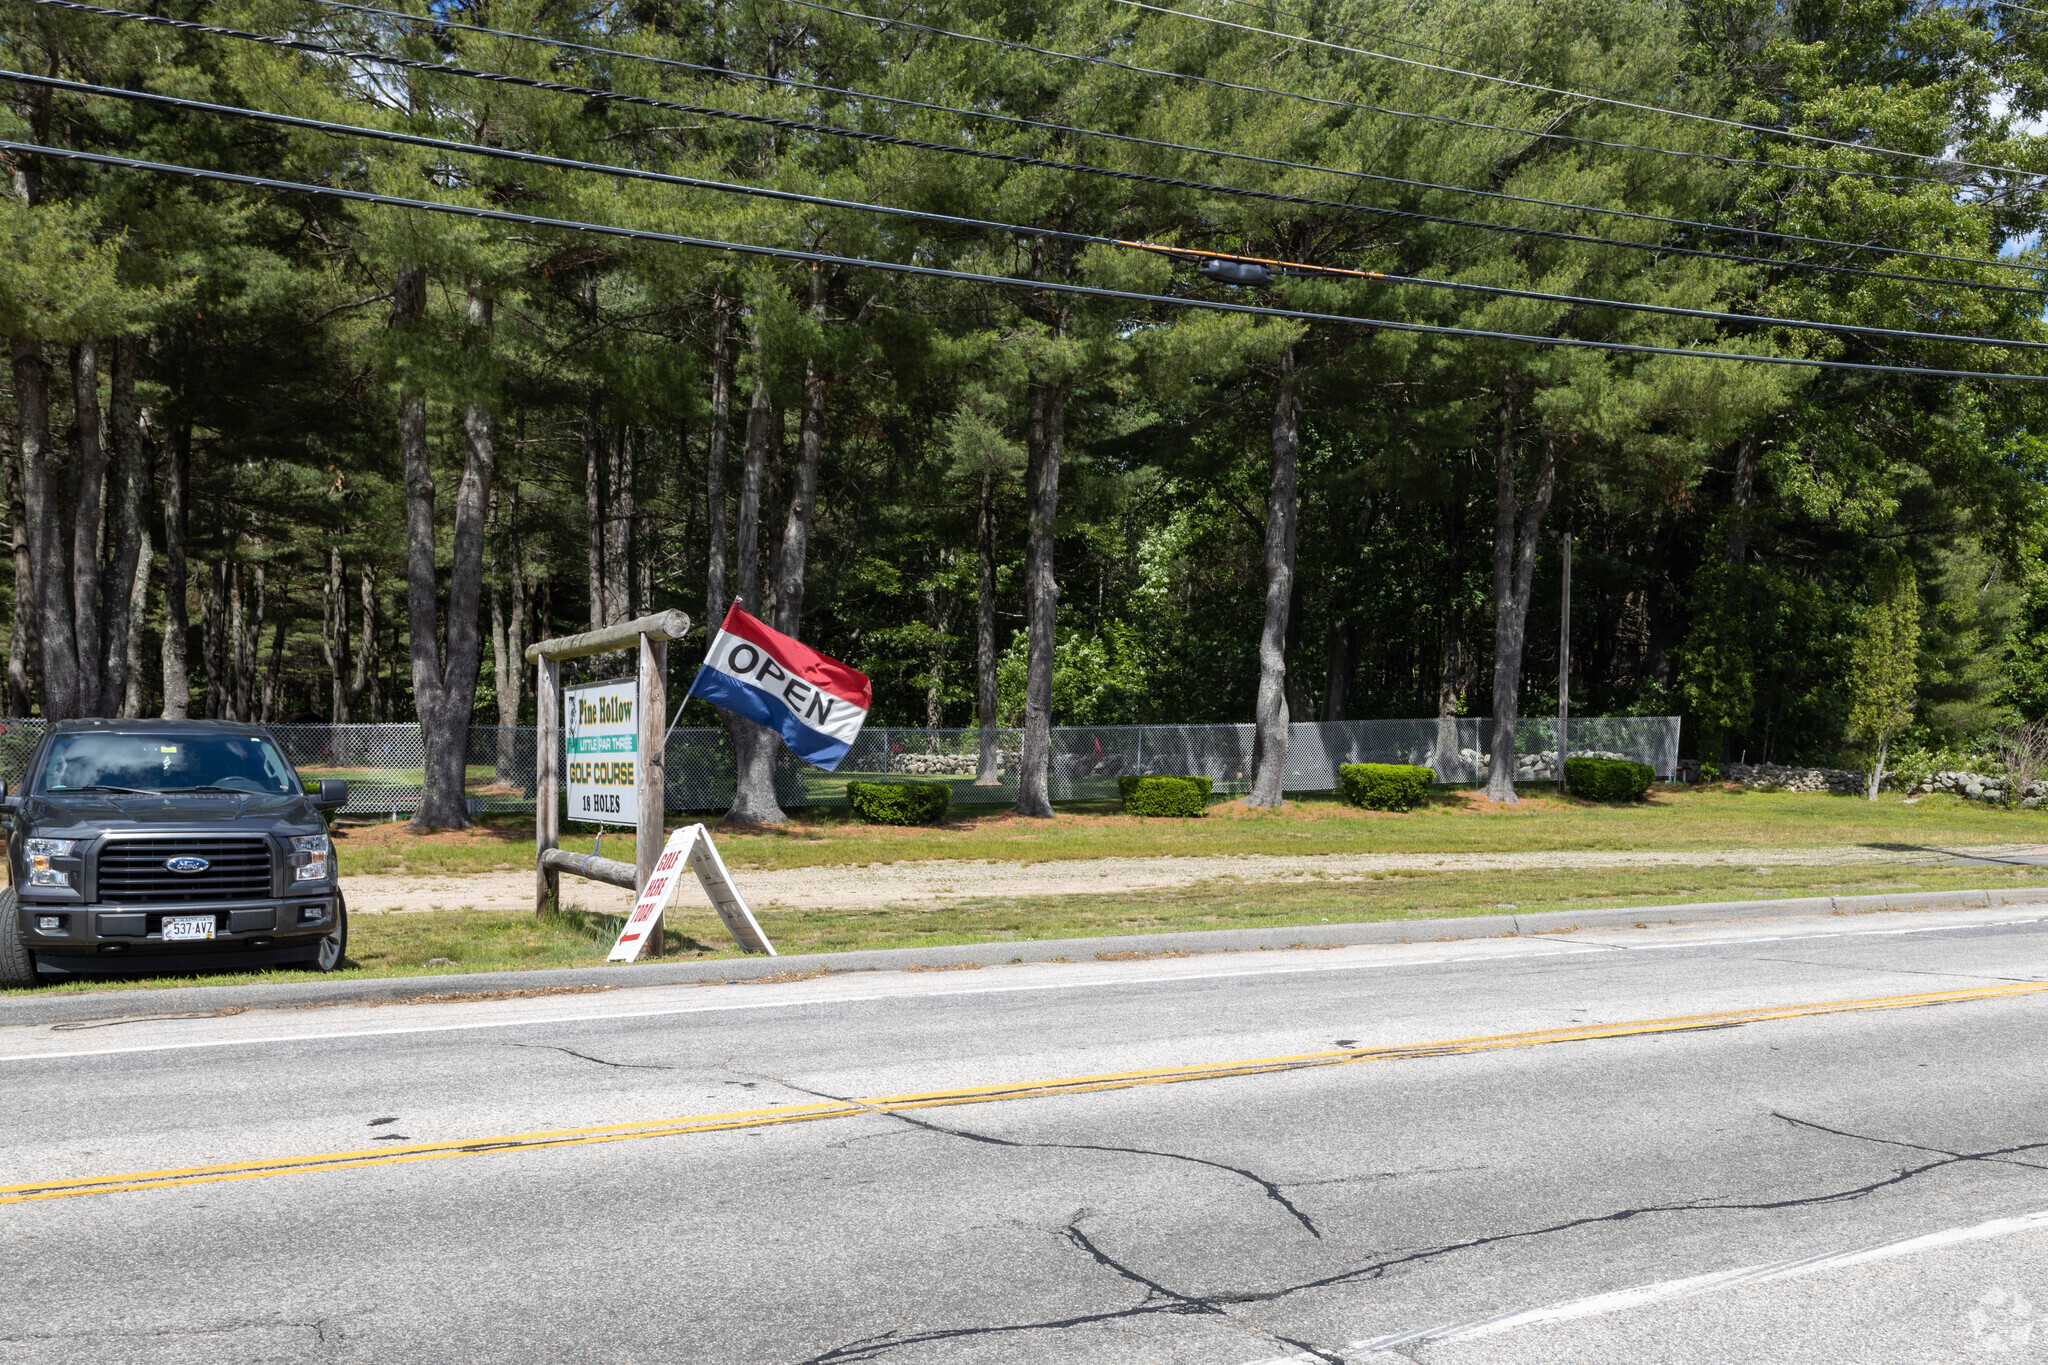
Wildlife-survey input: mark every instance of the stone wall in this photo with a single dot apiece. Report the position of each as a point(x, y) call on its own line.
point(1840, 781)
point(1976, 787)
point(944, 765)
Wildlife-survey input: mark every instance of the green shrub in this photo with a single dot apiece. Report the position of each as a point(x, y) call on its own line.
point(1128, 784)
point(1176, 796)
point(1709, 772)
point(899, 803)
point(1607, 779)
point(1385, 786)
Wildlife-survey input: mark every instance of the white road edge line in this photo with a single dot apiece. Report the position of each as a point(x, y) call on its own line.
point(1667, 1290)
point(1274, 969)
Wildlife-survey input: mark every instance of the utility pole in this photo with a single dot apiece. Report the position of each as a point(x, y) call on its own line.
point(1564, 660)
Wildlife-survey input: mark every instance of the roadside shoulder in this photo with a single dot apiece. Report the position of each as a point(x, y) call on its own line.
point(29, 1008)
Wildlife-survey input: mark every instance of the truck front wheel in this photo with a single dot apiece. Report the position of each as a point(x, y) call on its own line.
point(17, 963)
point(328, 954)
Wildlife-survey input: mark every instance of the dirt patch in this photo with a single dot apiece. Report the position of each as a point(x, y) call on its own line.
point(778, 979)
point(935, 882)
point(947, 967)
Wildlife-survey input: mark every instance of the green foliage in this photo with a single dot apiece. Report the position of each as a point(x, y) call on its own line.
point(263, 322)
point(1972, 607)
point(1718, 674)
point(63, 281)
point(1182, 797)
point(1128, 783)
point(899, 803)
point(1098, 678)
point(1884, 671)
point(1385, 786)
point(1609, 779)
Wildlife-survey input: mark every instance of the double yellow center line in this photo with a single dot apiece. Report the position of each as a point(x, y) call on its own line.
point(934, 1099)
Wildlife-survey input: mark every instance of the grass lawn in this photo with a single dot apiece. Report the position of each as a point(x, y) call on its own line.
point(481, 941)
point(1453, 822)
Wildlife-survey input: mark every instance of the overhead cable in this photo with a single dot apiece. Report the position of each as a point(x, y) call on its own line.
point(988, 225)
point(1568, 93)
point(1020, 159)
point(1041, 125)
point(1002, 281)
point(1719, 157)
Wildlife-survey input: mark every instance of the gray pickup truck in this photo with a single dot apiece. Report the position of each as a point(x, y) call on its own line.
point(166, 846)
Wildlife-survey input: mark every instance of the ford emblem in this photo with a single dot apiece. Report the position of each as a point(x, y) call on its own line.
point(185, 862)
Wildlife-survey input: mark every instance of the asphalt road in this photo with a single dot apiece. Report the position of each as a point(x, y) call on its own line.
point(1235, 1158)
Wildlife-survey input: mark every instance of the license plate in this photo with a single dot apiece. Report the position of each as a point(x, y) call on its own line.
point(187, 926)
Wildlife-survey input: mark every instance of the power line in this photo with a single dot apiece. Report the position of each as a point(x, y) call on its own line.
point(1578, 94)
point(988, 225)
point(1004, 281)
point(1169, 146)
point(1718, 157)
point(1020, 159)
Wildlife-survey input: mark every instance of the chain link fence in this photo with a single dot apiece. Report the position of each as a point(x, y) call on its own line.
point(383, 763)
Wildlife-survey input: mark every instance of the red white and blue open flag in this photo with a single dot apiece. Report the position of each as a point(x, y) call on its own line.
point(817, 704)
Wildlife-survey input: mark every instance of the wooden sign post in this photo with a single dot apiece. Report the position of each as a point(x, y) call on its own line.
point(649, 637)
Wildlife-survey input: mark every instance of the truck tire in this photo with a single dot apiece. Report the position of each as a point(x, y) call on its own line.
point(17, 963)
point(333, 949)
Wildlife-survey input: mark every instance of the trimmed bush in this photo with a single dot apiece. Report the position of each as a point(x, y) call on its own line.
point(1607, 779)
point(1175, 796)
point(899, 803)
point(1126, 785)
point(1385, 786)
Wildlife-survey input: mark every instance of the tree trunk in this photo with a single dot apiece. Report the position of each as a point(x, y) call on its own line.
point(213, 639)
point(988, 768)
point(716, 593)
point(593, 511)
point(1738, 554)
point(245, 625)
point(128, 498)
point(44, 485)
point(347, 680)
point(1343, 658)
point(803, 498)
point(133, 692)
point(754, 801)
point(447, 705)
point(1517, 524)
point(618, 526)
point(22, 664)
point(1046, 439)
point(88, 517)
point(757, 803)
point(508, 641)
point(334, 637)
point(1454, 672)
point(1269, 720)
point(273, 672)
point(177, 623)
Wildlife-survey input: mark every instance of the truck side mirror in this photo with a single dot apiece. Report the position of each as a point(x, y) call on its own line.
point(8, 804)
point(333, 794)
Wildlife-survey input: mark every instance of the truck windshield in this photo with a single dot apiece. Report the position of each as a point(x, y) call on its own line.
point(110, 761)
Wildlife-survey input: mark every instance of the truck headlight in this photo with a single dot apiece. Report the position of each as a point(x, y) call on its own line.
point(311, 854)
point(40, 851)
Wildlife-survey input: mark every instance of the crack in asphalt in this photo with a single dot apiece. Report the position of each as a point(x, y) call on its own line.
point(623, 1066)
point(1900, 971)
point(1158, 1299)
point(2000, 1155)
point(318, 1327)
point(1272, 1188)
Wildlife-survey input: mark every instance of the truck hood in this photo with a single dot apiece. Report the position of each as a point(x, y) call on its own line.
point(108, 810)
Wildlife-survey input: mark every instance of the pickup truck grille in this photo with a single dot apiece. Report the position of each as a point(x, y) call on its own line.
point(132, 871)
